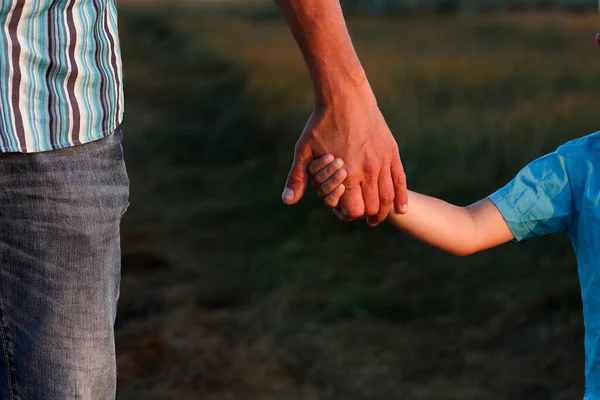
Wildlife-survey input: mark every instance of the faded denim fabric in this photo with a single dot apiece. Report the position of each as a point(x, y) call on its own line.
point(560, 192)
point(60, 258)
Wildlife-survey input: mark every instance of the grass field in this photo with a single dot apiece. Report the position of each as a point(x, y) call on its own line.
point(227, 294)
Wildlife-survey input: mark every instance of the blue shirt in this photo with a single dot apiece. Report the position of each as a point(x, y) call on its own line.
point(60, 73)
point(560, 192)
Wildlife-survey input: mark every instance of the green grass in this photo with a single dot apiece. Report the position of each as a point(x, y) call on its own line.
point(230, 295)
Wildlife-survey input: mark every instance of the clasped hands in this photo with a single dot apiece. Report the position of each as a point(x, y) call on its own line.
point(366, 177)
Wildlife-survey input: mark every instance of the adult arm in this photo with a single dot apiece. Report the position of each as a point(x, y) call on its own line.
point(346, 120)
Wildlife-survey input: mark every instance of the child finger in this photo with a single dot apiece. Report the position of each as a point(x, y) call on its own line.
point(333, 199)
point(319, 163)
point(332, 183)
point(323, 175)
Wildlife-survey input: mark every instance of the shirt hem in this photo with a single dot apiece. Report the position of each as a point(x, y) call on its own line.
point(502, 201)
point(60, 145)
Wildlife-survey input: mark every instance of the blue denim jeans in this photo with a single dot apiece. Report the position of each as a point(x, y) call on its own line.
point(60, 259)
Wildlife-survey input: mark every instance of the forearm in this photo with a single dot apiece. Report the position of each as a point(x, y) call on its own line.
point(457, 230)
point(320, 31)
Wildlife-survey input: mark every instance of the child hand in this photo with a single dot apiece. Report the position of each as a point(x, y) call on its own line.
point(328, 176)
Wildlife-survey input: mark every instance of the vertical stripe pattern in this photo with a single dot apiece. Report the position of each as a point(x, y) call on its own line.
point(60, 73)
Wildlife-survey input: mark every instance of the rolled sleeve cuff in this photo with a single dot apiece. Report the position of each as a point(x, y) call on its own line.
point(514, 219)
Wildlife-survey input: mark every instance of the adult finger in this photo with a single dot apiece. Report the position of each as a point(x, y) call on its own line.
point(298, 177)
point(370, 192)
point(351, 204)
point(400, 191)
point(386, 198)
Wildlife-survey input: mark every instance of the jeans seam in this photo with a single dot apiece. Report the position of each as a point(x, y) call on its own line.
point(8, 371)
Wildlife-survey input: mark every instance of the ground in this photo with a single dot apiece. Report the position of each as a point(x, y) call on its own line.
point(228, 294)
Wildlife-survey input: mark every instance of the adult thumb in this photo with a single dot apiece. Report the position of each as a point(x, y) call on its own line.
point(297, 180)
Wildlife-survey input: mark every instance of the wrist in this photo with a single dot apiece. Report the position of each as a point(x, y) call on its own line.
point(344, 83)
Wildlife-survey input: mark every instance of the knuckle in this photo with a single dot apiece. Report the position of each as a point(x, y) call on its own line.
point(370, 168)
point(400, 178)
point(371, 211)
point(341, 175)
point(384, 212)
point(386, 198)
point(295, 177)
point(351, 182)
point(331, 168)
point(372, 207)
point(333, 183)
point(322, 192)
point(313, 168)
point(319, 179)
point(353, 214)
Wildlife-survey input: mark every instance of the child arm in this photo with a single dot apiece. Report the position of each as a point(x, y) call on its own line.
point(538, 201)
point(460, 231)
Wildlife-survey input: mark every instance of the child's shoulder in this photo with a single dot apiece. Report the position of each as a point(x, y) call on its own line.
point(588, 145)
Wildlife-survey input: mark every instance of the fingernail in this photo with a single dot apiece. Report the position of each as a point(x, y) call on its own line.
point(338, 162)
point(329, 158)
point(288, 195)
point(403, 209)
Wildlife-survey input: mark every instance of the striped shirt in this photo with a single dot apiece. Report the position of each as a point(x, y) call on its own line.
point(60, 73)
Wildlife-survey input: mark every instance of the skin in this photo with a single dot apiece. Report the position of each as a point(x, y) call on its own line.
point(460, 231)
point(346, 120)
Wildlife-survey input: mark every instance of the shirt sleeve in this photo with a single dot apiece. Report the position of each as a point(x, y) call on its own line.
point(538, 200)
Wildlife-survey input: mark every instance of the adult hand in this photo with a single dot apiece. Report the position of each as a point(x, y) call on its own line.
point(350, 126)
